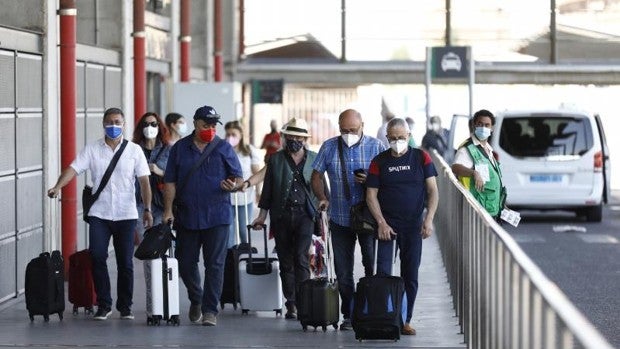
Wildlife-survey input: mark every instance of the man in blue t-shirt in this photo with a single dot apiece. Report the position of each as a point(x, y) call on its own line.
point(398, 180)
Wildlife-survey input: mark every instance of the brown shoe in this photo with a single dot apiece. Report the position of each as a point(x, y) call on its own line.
point(408, 330)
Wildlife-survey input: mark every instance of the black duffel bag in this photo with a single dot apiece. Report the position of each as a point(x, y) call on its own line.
point(157, 240)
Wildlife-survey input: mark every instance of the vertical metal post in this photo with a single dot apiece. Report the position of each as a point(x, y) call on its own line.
point(241, 52)
point(68, 145)
point(471, 80)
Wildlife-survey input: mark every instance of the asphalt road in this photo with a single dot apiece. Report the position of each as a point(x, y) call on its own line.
point(585, 265)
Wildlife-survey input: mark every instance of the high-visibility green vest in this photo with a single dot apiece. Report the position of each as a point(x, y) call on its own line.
point(491, 196)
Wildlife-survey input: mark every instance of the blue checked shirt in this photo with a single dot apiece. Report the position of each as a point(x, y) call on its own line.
point(357, 156)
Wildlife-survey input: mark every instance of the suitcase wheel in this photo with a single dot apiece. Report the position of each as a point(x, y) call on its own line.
point(324, 328)
point(46, 318)
point(245, 311)
point(234, 306)
point(60, 316)
point(222, 305)
point(335, 324)
point(89, 310)
point(175, 320)
point(278, 312)
point(75, 310)
point(31, 317)
point(304, 327)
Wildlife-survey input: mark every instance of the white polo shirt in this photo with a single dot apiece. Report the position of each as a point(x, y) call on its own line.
point(463, 157)
point(118, 199)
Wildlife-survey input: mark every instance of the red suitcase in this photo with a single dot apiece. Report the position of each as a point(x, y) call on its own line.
point(81, 285)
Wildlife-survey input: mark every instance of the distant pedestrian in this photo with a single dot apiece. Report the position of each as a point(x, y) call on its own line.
point(436, 137)
point(272, 142)
point(177, 127)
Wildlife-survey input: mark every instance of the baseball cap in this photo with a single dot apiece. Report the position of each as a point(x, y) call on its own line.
point(207, 114)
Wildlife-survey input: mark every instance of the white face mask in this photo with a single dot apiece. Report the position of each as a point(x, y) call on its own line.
point(350, 139)
point(150, 132)
point(399, 146)
point(182, 128)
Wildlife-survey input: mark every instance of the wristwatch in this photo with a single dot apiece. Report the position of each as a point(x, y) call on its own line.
point(147, 210)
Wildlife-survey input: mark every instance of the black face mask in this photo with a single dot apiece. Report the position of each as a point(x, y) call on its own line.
point(293, 145)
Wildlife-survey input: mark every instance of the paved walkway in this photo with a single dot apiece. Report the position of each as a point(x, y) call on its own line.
point(434, 320)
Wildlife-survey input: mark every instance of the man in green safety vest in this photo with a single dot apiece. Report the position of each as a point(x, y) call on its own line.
point(477, 168)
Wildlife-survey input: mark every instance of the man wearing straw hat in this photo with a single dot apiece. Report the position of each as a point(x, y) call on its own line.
point(292, 208)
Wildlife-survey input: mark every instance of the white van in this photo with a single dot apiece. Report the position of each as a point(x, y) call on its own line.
point(553, 159)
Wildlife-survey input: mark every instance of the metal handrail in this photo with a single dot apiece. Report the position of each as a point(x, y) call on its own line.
point(502, 299)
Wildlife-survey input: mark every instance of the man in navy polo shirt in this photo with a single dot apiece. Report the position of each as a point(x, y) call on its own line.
point(358, 150)
point(204, 210)
point(397, 181)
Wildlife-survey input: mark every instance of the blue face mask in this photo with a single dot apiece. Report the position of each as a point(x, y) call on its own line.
point(113, 131)
point(482, 133)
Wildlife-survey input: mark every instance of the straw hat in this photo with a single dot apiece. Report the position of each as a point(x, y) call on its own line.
point(296, 127)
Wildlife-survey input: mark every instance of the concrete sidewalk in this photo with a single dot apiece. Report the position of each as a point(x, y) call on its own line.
point(433, 319)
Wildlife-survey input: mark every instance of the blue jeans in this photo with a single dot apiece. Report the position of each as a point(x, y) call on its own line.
point(242, 223)
point(121, 232)
point(409, 242)
point(343, 242)
point(213, 243)
point(293, 236)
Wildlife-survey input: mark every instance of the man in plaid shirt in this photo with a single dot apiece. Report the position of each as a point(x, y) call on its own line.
point(358, 150)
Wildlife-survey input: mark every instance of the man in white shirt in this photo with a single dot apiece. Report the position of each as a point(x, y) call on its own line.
point(114, 214)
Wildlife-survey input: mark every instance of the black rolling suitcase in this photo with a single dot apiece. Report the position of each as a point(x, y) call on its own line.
point(377, 305)
point(45, 286)
point(318, 301)
point(230, 288)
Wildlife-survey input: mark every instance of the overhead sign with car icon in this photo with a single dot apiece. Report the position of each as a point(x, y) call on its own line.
point(450, 63)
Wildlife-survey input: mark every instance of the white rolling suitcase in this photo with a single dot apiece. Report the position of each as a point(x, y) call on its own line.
point(162, 290)
point(260, 287)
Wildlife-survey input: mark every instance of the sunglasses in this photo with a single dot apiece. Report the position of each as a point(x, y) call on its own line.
point(152, 124)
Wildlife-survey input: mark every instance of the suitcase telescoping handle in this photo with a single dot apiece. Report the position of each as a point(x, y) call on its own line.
point(393, 256)
point(327, 236)
point(264, 227)
point(245, 212)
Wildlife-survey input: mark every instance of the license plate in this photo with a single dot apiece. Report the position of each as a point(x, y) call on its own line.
point(551, 178)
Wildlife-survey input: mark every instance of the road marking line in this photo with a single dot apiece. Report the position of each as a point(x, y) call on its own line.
point(528, 238)
point(598, 239)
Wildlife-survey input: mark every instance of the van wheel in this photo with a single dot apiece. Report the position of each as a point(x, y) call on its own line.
point(594, 213)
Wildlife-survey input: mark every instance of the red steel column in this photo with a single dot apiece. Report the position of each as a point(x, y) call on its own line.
point(139, 60)
point(217, 32)
point(241, 53)
point(68, 13)
point(186, 39)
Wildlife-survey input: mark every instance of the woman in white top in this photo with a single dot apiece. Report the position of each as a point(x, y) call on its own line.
point(251, 163)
